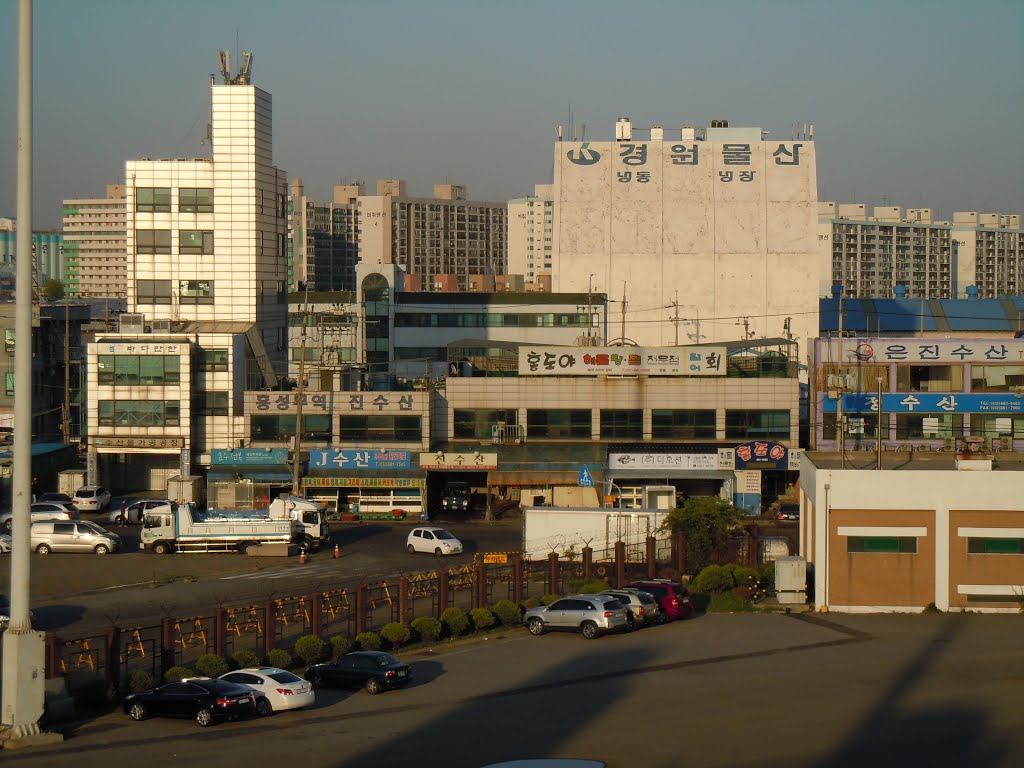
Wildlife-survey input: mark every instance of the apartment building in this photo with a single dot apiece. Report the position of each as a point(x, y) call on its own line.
point(531, 222)
point(95, 259)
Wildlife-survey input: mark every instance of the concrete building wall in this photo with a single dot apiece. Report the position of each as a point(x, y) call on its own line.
point(732, 233)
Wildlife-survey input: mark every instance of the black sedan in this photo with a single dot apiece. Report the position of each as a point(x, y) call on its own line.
point(375, 670)
point(204, 699)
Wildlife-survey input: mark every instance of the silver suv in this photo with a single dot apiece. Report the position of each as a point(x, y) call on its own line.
point(72, 536)
point(641, 607)
point(592, 615)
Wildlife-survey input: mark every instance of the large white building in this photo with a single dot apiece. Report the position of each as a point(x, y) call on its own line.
point(715, 226)
point(94, 246)
point(206, 299)
point(531, 224)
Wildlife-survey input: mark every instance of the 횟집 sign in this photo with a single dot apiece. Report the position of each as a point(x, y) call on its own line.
point(621, 361)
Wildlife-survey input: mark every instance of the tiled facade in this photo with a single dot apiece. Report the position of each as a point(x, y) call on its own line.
point(95, 259)
point(531, 235)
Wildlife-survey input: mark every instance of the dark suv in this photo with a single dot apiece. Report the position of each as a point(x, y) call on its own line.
point(673, 598)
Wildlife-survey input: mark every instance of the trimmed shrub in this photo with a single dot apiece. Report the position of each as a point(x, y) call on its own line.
point(339, 646)
point(455, 621)
point(427, 628)
point(729, 602)
point(508, 613)
point(482, 618)
point(396, 633)
point(368, 641)
point(140, 680)
point(245, 659)
point(211, 665)
point(174, 674)
point(530, 602)
point(310, 648)
point(548, 599)
point(279, 658)
point(95, 694)
point(713, 579)
point(742, 576)
point(591, 585)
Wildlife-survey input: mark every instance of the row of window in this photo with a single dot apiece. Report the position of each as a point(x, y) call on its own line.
point(932, 378)
point(155, 370)
point(927, 426)
point(158, 241)
point(158, 200)
point(162, 292)
point(907, 545)
point(575, 424)
point(376, 429)
point(487, 320)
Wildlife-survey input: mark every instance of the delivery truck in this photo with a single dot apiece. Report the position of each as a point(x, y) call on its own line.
point(184, 528)
point(569, 529)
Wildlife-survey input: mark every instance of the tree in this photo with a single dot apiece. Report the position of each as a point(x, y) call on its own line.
point(53, 290)
point(707, 522)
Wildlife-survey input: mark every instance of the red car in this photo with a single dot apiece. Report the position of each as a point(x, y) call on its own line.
point(673, 598)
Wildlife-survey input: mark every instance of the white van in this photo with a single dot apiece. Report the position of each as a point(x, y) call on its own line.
point(73, 536)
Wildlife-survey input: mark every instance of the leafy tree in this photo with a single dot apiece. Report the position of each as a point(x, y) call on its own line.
point(707, 522)
point(53, 290)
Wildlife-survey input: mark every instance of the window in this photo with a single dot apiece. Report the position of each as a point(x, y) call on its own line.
point(997, 378)
point(930, 378)
point(211, 404)
point(152, 199)
point(153, 291)
point(213, 360)
point(152, 241)
point(191, 200)
point(903, 545)
point(139, 413)
point(380, 428)
point(559, 424)
point(928, 426)
point(622, 424)
point(853, 422)
point(195, 241)
point(473, 423)
point(195, 292)
point(997, 425)
point(683, 424)
point(766, 425)
point(982, 546)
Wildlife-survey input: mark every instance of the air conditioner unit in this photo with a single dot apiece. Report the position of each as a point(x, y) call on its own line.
point(161, 326)
point(131, 323)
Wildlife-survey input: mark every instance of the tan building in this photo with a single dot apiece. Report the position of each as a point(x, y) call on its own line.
point(946, 529)
point(95, 258)
point(530, 233)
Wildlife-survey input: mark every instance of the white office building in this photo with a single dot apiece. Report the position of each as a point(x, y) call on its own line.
point(531, 224)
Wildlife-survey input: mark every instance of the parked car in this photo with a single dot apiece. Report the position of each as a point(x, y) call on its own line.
point(788, 511)
point(673, 598)
point(54, 496)
point(375, 670)
point(5, 543)
point(203, 699)
point(432, 539)
point(92, 498)
point(457, 497)
point(276, 689)
point(593, 615)
point(641, 607)
point(72, 536)
point(133, 512)
point(41, 511)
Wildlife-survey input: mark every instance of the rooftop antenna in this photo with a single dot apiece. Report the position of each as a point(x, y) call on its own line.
point(583, 131)
point(243, 75)
point(224, 60)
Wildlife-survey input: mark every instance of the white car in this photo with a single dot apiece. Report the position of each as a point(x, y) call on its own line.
point(276, 689)
point(432, 539)
point(133, 513)
point(5, 543)
point(91, 498)
point(41, 511)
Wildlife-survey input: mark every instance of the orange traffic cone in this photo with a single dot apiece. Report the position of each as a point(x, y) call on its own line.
point(302, 555)
point(337, 551)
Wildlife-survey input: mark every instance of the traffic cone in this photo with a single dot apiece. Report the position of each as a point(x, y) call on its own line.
point(337, 551)
point(302, 555)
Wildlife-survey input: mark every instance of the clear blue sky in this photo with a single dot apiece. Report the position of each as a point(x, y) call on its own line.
point(914, 102)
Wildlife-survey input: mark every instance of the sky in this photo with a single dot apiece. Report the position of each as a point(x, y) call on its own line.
point(916, 103)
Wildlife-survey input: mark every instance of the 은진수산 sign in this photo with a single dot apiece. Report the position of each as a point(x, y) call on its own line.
point(621, 361)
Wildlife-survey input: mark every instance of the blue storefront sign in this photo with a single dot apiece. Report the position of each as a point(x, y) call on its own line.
point(762, 454)
point(929, 402)
point(353, 458)
point(248, 456)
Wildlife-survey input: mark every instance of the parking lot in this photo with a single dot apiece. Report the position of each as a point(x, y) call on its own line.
point(719, 690)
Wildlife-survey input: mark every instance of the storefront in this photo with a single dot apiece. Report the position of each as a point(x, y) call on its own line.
point(247, 478)
point(366, 484)
point(136, 463)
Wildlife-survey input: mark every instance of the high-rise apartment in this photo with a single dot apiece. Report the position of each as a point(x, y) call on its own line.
point(94, 259)
point(530, 237)
point(710, 231)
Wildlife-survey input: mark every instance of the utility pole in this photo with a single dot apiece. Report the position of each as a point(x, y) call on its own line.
point(590, 317)
point(65, 421)
point(878, 426)
point(675, 319)
point(840, 432)
point(623, 313)
point(300, 395)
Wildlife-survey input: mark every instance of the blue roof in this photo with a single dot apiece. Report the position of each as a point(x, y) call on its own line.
point(903, 316)
point(38, 449)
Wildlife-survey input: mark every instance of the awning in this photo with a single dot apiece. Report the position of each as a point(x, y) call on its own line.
point(258, 473)
point(674, 474)
point(355, 472)
point(539, 477)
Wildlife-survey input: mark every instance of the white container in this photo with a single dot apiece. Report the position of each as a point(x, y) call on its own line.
point(791, 580)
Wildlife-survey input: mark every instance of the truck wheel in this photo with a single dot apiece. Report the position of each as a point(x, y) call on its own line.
point(243, 548)
point(161, 548)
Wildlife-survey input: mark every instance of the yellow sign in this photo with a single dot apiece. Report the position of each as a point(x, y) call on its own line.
point(495, 557)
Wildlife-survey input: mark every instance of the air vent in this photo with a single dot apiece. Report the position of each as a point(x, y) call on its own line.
point(161, 326)
point(132, 323)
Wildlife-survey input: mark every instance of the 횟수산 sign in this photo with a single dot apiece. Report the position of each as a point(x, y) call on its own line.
point(621, 361)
